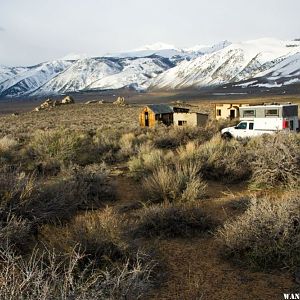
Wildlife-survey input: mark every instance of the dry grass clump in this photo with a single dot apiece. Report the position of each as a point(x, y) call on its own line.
point(16, 189)
point(267, 235)
point(44, 275)
point(98, 234)
point(275, 161)
point(7, 143)
point(180, 183)
point(148, 159)
point(169, 221)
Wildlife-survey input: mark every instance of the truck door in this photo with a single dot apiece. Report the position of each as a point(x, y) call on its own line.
point(241, 129)
point(251, 131)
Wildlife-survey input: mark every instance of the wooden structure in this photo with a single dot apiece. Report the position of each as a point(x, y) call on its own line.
point(155, 114)
point(189, 119)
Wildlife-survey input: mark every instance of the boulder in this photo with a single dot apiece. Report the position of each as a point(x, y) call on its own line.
point(120, 101)
point(67, 100)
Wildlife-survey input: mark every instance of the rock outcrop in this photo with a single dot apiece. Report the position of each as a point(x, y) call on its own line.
point(120, 101)
point(49, 103)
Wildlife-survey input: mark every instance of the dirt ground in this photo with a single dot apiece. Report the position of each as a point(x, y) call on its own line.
point(194, 268)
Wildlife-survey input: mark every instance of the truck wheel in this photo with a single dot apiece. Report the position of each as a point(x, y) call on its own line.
point(226, 136)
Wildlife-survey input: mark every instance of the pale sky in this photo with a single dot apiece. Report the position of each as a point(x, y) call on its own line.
point(33, 31)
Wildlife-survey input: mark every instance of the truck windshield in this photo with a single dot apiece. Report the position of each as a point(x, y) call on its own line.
point(242, 125)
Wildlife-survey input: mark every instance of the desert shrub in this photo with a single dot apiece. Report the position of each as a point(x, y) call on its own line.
point(223, 160)
point(7, 144)
point(8, 149)
point(16, 233)
point(107, 143)
point(169, 221)
point(98, 234)
point(63, 145)
point(240, 203)
point(148, 159)
point(92, 183)
point(276, 160)
point(44, 275)
point(173, 137)
point(180, 183)
point(24, 196)
point(16, 188)
point(189, 153)
point(128, 144)
point(266, 235)
point(215, 126)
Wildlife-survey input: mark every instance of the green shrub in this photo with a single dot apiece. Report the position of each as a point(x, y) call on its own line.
point(267, 235)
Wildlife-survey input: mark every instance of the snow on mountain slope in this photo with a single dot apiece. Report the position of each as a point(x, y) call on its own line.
point(105, 73)
point(136, 72)
point(31, 79)
point(204, 49)
point(289, 67)
point(169, 51)
point(79, 75)
point(9, 72)
point(236, 62)
point(284, 73)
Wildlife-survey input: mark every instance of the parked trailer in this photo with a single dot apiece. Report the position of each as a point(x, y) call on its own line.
point(260, 119)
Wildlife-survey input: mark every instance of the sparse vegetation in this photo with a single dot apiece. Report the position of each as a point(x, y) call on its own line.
point(267, 234)
point(67, 230)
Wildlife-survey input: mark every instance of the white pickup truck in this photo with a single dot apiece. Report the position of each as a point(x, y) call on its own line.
point(261, 119)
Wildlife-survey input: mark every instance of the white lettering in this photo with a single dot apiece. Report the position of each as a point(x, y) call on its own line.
point(291, 296)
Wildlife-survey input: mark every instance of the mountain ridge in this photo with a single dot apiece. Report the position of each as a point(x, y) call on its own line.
point(262, 62)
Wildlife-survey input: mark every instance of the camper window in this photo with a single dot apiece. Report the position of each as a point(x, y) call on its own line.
point(271, 112)
point(249, 113)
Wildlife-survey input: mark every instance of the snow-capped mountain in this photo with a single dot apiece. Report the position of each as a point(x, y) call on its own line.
point(9, 72)
point(258, 63)
point(169, 51)
point(32, 78)
point(136, 73)
point(79, 75)
point(105, 73)
point(234, 63)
